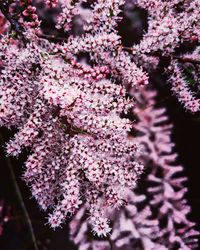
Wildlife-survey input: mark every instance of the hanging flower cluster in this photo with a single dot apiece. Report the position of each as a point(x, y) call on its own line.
point(172, 27)
point(71, 116)
point(156, 217)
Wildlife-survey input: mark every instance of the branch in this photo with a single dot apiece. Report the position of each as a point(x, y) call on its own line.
point(4, 8)
point(110, 243)
point(19, 195)
point(51, 37)
point(180, 58)
point(187, 59)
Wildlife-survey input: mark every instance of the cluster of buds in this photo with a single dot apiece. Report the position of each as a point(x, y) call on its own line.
point(30, 17)
point(51, 3)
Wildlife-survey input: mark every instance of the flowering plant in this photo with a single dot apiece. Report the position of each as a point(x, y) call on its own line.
point(72, 94)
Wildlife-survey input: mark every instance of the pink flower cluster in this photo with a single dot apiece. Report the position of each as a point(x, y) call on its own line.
point(171, 25)
point(69, 115)
point(156, 218)
point(72, 125)
point(181, 90)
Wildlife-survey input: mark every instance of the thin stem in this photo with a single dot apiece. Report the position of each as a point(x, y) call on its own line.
point(19, 195)
point(110, 243)
point(187, 59)
point(179, 58)
point(52, 37)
